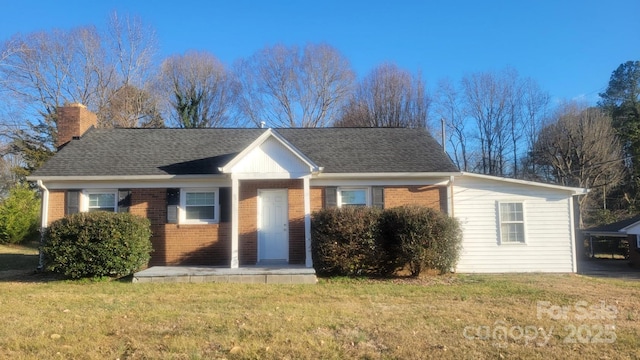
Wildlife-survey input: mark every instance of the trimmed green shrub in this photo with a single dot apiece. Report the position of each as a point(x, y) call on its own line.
point(346, 241)
point(421, 238)
point(97, 244)
point(19, 215)
point(369, 241)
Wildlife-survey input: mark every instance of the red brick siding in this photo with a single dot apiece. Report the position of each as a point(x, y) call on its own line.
point(317, 198)
point(56, 205)
point(73, 120)
point(173, 244)
point(431, 196)
point(179, 244)
point(176, 244)
point(427, 195)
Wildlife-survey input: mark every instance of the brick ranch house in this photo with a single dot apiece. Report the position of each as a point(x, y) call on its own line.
point(241, 197)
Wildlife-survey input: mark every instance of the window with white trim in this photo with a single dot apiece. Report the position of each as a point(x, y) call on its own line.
point(512, 223)
point(199, 206)
point(353, 197)
point(102, 201)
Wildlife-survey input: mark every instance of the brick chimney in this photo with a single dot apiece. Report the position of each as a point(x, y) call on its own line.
point(73, 121)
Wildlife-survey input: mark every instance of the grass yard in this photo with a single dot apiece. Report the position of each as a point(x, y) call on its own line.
point(457, 317)
point(18, 258)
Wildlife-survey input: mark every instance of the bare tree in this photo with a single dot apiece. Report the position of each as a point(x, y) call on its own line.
point(388, 97)
point(131, 107)
point(54, 67)
point(293, 87)
point(199, 90)
point(535, 108)
point(581, 149)
point(493, 101)
point(50, 68)
point(449, 107)
point(130, 46)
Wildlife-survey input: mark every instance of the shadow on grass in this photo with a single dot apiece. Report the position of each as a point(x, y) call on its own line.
point(23, 268)
point(18, 261)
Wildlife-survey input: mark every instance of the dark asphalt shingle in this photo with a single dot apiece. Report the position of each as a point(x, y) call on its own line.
point(613, 227)
point(104, 152)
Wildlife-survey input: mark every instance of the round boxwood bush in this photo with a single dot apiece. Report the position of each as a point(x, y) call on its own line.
point(345, 241)
point(421, 238)
point(97, 244)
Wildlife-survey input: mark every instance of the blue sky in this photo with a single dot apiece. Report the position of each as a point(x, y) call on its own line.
point(570, 47)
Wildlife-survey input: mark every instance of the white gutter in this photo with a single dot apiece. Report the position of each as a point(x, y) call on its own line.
point(573, 190)
point(386, 175)
point(124, 177)
point(44, 218)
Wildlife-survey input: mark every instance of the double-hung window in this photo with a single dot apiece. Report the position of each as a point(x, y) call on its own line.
point(199, 206)
point(512, 230)
point(102, 201)
point(353, 197)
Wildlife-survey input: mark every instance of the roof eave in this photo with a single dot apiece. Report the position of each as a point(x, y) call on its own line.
point(123, 177)
point(605, 233)
point(572, 190)
point(386, 175)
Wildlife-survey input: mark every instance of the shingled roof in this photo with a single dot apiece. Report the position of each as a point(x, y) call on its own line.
point(613, 228)
point(113, 152)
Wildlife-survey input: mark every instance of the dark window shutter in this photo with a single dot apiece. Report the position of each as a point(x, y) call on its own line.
point(225, 204)
point(377, 193)
point(72, 202)
point(173, 196)
point(330, 197)
point(173, 201)
point(124, 200)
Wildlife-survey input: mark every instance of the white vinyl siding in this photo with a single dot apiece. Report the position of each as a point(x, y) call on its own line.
point(546, 219)
point(271, 159)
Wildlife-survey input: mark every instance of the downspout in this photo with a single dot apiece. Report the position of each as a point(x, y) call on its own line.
point(43, 225)
point(450, 196)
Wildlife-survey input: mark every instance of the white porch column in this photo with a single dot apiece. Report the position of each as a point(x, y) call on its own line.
point(235, 226)
point(44, 222)
point(307, 222)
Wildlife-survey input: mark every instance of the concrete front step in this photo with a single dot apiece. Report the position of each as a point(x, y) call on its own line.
point(250, 275)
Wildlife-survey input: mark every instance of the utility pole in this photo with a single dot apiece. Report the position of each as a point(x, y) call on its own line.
point(444, 147)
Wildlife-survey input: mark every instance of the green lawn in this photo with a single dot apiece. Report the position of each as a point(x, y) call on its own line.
point(453, 317)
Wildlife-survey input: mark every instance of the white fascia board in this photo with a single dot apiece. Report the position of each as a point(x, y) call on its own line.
point(261, 139)
point(620, 233)
point(125, 177)
point(572, 190)
point(270, 176)
point(381, 179)
point(387, 175)
point(378, 182)
point(123, 183)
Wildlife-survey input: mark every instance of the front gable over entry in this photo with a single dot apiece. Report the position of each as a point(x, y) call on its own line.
point(270, 156)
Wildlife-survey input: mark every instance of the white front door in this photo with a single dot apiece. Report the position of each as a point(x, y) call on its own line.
point(273, 226)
